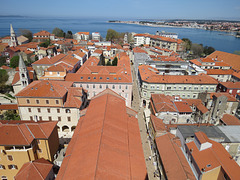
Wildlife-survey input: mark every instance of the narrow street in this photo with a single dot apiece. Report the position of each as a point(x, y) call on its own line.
point(141, 121)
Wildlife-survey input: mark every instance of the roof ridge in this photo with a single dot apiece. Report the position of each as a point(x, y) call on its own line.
point(171, 140)
point(42, 130)
point(19, 172)
point(101, 136)
point(22, 133)
point(129, 148)
point(37, 170)
point(29, 130)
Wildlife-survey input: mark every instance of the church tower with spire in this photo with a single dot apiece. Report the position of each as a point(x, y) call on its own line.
point(13, 41)
point(23, 73)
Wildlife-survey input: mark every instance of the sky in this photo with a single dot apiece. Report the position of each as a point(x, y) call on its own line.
point(124, 9)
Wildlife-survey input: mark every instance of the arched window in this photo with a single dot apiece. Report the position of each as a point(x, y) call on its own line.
point(23, 75)
point(65, 129)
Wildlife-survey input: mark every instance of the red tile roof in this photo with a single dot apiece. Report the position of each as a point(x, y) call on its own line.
point(24, 133)
point(230, 120)
point(150, 74)
point(8, 107)
point(219, 71)
point(38, 169)
point(47, 61)
point(163, 103)
point(92, 72)
point(216, 156)
point(232, 59)
point(173, 160)
point(139, 50)
point(106, 144)
point(45, 88)
point(231, 85)
point(42, 33)
point(85, 33)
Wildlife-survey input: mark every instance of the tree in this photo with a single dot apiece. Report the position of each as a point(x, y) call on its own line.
point(187, 44)
point(108, 63)
point(112, 35)
point(197, 49)
point(11, 115)
point(45, 44)
point(27, 33)
point(236, 52)
point(2, 60)
point(115, 61)
point(208, 50)
point(69, 35)
point(58, 32)
point(14, 61)
point(3, 76)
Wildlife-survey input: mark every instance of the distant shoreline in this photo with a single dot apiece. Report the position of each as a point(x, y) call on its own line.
point(153, 25)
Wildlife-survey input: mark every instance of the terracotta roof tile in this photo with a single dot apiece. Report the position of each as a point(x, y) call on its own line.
point(106, 144)
point(232, 59)
point(172, 158)
point(231, 85)
point(45, 88)
point(216, 156)
point(8, 107)
point(230, 120)
point(38, 169)
point(47, 61)
point(150, 74)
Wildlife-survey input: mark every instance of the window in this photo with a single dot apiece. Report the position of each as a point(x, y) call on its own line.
point(10, 158)
point(87, 86)
point(126, 87)
point(4, 178)
point(69, 119)
point(113, 86)
point(40, 118)
point(39, 150)
point(12, 166)
point(89, 78)
point(29, 110)
point(107, 78)
point(81, 77)
point(57, 101)
point(157, 86)
point(152, 87)
point(93, 86)
point(179, 88)
point(39, 110)
point(68, 111)
point(184, 88)
point(48, 110)
point(28, 101)
point(31, 118)
point(120, 87)
point(168, 88)
point(94, 77)
point(37, 101)
point(59, 118)
point(100, 78)
point(49, 118)
point(106, 86)
point(2, 166)
point(100, 86)
point(58, 110)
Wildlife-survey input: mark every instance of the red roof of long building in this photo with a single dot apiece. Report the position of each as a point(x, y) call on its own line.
point(106, 144)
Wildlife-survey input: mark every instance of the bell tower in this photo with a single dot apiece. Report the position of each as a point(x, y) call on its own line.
point(13, 41)
point(23, 72)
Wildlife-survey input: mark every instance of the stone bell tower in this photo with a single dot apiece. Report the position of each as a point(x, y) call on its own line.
point(13, 41)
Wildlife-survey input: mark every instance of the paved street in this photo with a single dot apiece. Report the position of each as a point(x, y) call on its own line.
point(145, 143)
